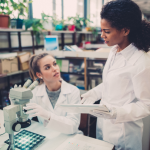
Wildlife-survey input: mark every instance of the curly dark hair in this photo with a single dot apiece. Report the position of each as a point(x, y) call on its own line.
point(127, 14)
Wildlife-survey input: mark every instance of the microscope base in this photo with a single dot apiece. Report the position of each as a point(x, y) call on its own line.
point(5, 147)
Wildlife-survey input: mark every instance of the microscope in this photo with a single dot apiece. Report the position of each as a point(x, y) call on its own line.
point(20, 96)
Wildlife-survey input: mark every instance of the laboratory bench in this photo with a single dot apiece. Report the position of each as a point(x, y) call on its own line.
point(53, 138)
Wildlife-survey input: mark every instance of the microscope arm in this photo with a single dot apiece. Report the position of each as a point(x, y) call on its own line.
point(10, 119)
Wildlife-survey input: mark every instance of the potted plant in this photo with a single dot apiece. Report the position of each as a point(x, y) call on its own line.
point(57, 24)
point(94, 30)
point(5, 11)
point(36, 25)
point(22, 11)
point(79, 22)
point(64, 25)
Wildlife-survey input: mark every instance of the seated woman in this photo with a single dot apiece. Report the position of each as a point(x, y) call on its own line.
point(51, 92)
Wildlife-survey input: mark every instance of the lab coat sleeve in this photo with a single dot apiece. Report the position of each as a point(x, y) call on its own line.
point(96, 92)
point(141, 108)
point(66, 124)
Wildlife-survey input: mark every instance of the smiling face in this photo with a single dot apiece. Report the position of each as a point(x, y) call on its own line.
point(50, 71)
point(111, 35)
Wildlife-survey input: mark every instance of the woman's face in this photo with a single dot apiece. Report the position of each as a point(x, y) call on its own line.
point(50, 71)
point(112, 36)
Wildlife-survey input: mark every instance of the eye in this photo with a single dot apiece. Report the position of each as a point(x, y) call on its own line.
point(55, 64)
point(46, 68)
point(107, 32)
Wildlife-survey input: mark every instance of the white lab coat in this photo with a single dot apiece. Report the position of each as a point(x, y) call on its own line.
point(61, 121)
point(126, 87)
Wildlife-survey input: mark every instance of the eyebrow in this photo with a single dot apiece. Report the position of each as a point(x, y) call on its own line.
point(49, 64)
point(105, 29)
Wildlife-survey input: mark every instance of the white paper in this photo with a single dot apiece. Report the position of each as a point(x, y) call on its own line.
point(65, 65)
point(75, 144)
point(80, 108)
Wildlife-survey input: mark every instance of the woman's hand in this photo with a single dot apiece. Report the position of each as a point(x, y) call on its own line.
point(88, 98)
point(36, 110)
point(112, 114)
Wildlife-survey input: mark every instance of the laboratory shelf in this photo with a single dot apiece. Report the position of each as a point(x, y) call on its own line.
point(73, 73)
point(34, 44)
point(13, 73)
point(84, 54)
point(94, 75)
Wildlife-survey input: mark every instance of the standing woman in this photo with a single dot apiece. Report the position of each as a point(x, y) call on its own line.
point(51, 92)
point(125, 89)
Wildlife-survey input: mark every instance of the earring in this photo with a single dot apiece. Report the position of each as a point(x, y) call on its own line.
point(41, 77)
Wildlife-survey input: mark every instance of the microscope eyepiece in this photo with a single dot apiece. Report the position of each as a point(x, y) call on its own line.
point(34, 84)
point(27, 83)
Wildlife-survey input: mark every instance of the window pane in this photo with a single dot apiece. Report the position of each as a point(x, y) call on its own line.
point(95, 9)
point(40, 6)
point(58, 11)
point(73, 7)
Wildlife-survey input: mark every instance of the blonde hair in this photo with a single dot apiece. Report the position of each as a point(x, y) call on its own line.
point(34, 66)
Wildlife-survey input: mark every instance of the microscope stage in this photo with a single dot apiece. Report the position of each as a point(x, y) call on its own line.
point(26, 140)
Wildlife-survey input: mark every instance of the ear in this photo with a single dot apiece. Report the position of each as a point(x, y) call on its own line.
point(126, 31)
point(38, 75)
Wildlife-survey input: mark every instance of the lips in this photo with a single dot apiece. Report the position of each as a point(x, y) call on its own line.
point(56, 74)
point(106, 41)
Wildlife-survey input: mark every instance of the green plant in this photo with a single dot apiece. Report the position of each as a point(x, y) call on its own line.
point(36, 25)
point(63, 22)
point(79, 21)
point(45, 17)
point(94, 30)
point(21, 8)
point(5, 7)
point(56, 21)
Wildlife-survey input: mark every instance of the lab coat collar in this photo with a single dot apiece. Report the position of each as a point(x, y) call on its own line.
point(137, 54)
point(64, 89)
point(130, 53)
point(127, 52)
point(114, 49)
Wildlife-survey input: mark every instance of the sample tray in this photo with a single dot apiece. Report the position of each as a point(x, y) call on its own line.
point(26, 140)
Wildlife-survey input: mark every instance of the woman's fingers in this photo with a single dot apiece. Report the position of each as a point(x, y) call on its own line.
point(28, 108)
point(33, 115)
point(31, 104)
point(82, 101)
point(31, 111)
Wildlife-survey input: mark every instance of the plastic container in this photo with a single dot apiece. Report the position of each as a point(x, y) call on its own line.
point(71, 68)
point(71, 27)
point(13, 23)
point(58, 27)
point(19, 23)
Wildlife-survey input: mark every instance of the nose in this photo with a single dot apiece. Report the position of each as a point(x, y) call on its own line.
point(103, 35)
point(54, 68)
